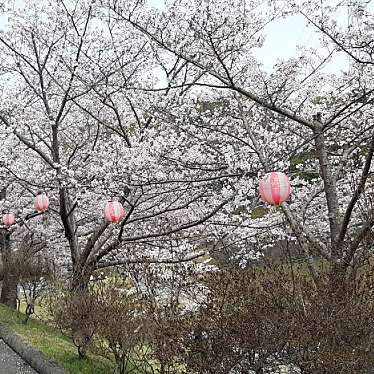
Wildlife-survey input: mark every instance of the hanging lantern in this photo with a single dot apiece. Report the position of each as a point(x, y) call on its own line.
point(275, 188)
point(9, 219)
point(114, 211)
point(41, 202)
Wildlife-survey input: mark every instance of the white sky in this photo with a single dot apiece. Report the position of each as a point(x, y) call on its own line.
point(157, 3)
point(282, 38)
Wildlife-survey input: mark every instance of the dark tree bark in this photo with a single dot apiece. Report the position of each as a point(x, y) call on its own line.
point(10, 278)
point(81, 277)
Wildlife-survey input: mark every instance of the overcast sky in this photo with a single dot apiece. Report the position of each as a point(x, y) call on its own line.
point(283, 37)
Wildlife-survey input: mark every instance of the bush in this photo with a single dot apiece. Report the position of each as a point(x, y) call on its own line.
point(78, 316)
point(34, 276)
point(254, 320)
point(107, 321)
point(122, 328)
point(260, 319)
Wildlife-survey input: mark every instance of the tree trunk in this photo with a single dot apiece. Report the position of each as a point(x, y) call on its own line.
point(10, 278)
point(79, 288)
point(81, 278)
point(9, 291)
point(307, 371)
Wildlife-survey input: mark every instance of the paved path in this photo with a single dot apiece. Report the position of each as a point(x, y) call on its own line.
point(11, 363)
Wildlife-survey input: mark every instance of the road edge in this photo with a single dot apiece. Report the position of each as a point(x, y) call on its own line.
point(36, 359)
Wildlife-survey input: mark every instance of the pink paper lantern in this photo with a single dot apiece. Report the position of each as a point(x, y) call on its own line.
point(114, 211)
point(41, 202)
point(9, 219)
point(275, 188)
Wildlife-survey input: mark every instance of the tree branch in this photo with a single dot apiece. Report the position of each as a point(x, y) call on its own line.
point(329, 184)
point(358, 192)
point(106, 264)
point(284, 112)
point(185, 226)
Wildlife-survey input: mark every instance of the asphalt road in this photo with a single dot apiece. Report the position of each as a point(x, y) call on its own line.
point(11, 363)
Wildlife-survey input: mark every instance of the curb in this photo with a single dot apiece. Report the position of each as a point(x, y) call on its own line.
point(37, 360)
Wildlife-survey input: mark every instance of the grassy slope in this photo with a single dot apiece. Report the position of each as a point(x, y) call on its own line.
point(53, 344)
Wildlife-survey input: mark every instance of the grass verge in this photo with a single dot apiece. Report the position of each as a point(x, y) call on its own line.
point(54, 344)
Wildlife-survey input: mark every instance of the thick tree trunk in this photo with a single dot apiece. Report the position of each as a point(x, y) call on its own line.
point(308, 371)
point(329, 185)
point(81, 278)
point(9, 291)
point(338, 280)
point(79, 288)
point(10, 278)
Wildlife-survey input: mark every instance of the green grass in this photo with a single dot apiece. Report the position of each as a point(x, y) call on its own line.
point(54, 344)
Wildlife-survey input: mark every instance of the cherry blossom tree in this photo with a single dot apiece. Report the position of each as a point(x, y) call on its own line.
point(86, 117)
point(320, 133)
point(90, 108)
point(80, 132)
